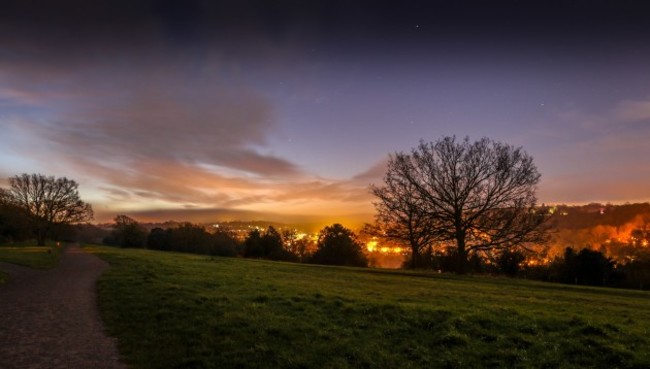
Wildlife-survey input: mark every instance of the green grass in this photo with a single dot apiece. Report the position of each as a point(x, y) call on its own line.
point(172, 310)
point(40, 257)
point(26, 254)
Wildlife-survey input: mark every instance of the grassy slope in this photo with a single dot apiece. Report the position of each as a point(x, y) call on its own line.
point(174, 310)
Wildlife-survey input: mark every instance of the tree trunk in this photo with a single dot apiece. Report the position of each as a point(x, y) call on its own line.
point(414, 256)
point(461, 263)
point(40, 238)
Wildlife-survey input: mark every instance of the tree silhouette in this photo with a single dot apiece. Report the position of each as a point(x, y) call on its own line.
point(400, 216)
point(159, 239)
point(267, 245)
point(48, 202)
point(192, 238)
point(253, 247)
point(509, 261)
point(338, 245)
point(225, 243)
point(14, 224)
point(477, 195)
point(272, 244)
point(127, 232)
point(300, 247)
point(587, 266)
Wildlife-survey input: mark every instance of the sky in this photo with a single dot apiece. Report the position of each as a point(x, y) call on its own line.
point(287, 110)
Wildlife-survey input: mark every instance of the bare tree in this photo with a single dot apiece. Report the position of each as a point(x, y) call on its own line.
point(48, 202)
point(400, 215)
point(479, 195)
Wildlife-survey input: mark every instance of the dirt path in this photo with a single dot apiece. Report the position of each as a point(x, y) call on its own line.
point(49, 319)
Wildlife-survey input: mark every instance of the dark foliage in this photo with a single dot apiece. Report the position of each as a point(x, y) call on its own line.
point(338, 245)
point(14, 223)
point(224, 244)
point(253, 247)
point(446, 260)
point(89, 233)
point(159, 239)
point(268, 245)
point(509, 262)
point(591, 267)
point(586, 267)
point(300, 246)
point(193, 239)
point(127, 232)
point(636, 272)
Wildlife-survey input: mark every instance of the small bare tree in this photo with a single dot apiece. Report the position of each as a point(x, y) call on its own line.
point(478, 195)
point(48, 202)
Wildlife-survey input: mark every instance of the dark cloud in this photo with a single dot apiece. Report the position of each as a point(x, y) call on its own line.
point(194, 215)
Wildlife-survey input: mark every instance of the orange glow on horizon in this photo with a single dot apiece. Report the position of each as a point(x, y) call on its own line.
point(373, 246)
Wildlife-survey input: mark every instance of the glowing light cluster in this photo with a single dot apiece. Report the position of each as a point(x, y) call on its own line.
point(373, 246)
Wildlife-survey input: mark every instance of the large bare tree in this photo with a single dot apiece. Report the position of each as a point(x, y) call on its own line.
point(479, 196)
point(48, 202)
point(401, 217)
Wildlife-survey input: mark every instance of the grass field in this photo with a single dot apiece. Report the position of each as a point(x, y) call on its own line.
point(172, 310)
point(41, 257)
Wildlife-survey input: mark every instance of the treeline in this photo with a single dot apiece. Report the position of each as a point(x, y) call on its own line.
point(336, 245)
point(593, 268)
point(589, 216)
point(586, 266)
point(14, 223)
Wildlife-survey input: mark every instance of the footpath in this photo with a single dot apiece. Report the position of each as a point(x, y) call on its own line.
point(49, 318)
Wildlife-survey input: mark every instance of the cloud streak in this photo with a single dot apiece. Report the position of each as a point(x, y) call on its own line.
point(633, 110)
point(156, 130)
point(603, 159)
point(173, 137)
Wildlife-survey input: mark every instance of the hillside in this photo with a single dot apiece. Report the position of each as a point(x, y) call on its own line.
point(615, 230)
point(172, 310)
